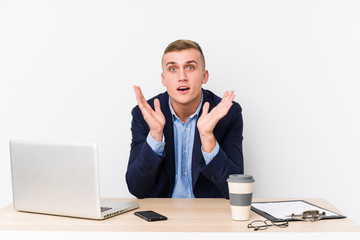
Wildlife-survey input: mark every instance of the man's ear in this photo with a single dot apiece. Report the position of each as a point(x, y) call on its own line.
point(163, 79)
point(205, 77)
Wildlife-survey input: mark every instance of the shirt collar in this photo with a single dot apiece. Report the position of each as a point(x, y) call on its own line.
point(195, 114)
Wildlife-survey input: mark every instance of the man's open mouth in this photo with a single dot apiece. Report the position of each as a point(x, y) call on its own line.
point(183, 89)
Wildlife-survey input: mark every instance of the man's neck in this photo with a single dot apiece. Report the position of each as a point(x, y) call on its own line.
point(183, 112)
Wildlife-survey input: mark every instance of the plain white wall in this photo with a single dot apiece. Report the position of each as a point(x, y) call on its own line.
point(67, 69)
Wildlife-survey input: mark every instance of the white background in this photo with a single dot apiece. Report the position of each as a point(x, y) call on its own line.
point(67, 69)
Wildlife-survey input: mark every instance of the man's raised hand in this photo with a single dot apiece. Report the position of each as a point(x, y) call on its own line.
point(154, 119)
point(208, 120)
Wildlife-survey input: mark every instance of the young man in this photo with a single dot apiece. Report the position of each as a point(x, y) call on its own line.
point(185, 141)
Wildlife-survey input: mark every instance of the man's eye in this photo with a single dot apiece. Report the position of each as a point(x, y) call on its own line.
point(191, 67)
point(172, 69)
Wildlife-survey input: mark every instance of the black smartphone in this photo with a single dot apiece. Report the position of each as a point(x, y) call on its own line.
point(150, 216)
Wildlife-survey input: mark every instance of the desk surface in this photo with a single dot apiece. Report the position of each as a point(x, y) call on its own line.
point(184, 215)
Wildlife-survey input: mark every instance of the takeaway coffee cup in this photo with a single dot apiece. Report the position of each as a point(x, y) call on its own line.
point(240, 192)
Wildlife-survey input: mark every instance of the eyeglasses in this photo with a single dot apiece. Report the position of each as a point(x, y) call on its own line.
point(264, 224)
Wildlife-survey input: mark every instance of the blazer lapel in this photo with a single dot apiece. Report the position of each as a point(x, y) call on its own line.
point(198, 162)
point(169, 161)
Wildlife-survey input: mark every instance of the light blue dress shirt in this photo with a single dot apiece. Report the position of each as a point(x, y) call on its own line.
point(184, 135)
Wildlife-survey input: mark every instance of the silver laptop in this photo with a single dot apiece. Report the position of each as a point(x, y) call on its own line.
point(59, 179)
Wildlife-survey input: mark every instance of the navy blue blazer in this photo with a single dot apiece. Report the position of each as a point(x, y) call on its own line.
point(150, 175)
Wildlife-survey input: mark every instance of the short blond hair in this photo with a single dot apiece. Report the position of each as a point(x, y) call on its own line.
point(183, 44)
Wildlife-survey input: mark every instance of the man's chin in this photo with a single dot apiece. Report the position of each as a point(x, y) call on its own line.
point(185, 101)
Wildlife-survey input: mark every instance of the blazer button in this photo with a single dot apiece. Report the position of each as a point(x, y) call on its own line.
point(213, 179)
point(152, 170)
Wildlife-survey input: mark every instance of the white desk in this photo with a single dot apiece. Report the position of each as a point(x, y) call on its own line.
point(200, 218)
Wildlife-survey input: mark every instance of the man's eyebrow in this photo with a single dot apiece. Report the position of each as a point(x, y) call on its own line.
point(170, 63)
point(191, 61)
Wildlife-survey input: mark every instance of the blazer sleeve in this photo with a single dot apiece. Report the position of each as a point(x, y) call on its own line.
point(229, 159)
point(143, 161)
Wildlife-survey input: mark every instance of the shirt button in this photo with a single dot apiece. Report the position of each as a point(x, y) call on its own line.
point(185, 151)
point(184, 173)
point(188, 195)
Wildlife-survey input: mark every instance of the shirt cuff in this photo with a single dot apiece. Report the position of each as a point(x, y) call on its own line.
point(157, 147)
point(209, 156)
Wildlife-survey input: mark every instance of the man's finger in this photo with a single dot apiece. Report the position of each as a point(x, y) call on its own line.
point(205, 108)
point(143, 105)
point(137, 90)
point(230, 99)
point(138, 93)
point(223, 107)
point(157, 105)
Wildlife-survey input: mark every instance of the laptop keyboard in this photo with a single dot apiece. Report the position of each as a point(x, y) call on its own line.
point(103, 209)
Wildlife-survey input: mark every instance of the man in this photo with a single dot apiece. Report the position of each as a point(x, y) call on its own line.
point(185, 141)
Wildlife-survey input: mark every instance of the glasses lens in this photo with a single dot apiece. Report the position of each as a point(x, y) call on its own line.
point(258, 225)
point(281, 224)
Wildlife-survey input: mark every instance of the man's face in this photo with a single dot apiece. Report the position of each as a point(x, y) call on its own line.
point(183, 75)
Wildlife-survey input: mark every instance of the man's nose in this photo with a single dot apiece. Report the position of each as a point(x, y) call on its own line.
point(182, 75)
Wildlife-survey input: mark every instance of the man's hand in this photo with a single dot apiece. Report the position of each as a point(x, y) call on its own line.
point(208, 121)
point(155, 119)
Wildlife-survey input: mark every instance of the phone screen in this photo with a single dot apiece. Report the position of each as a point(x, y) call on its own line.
point(150, 216)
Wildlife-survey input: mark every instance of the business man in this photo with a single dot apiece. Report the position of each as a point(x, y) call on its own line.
point(185, 141)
